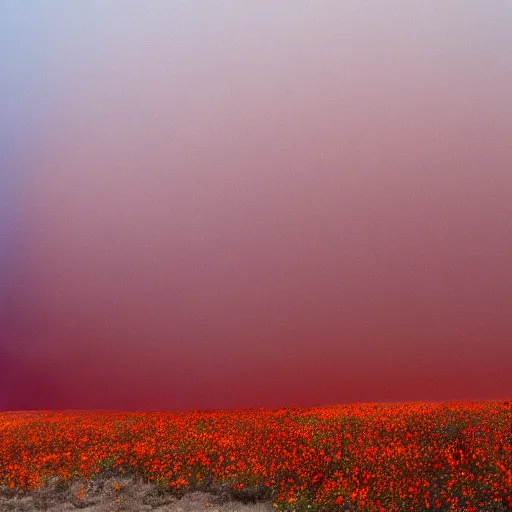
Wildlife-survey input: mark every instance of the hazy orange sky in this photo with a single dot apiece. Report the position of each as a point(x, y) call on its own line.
point(235, 204)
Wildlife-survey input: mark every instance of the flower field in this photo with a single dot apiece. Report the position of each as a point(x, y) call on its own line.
point(368, 457)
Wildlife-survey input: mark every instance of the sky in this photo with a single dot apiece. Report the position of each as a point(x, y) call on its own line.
point(209, 205)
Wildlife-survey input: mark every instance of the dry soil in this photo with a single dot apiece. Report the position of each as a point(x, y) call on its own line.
point(122, 493)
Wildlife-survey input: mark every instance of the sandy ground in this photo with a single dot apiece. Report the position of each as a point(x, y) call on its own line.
point(116, 494)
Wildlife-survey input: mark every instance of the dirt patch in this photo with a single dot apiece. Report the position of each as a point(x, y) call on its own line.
point(122, 494)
